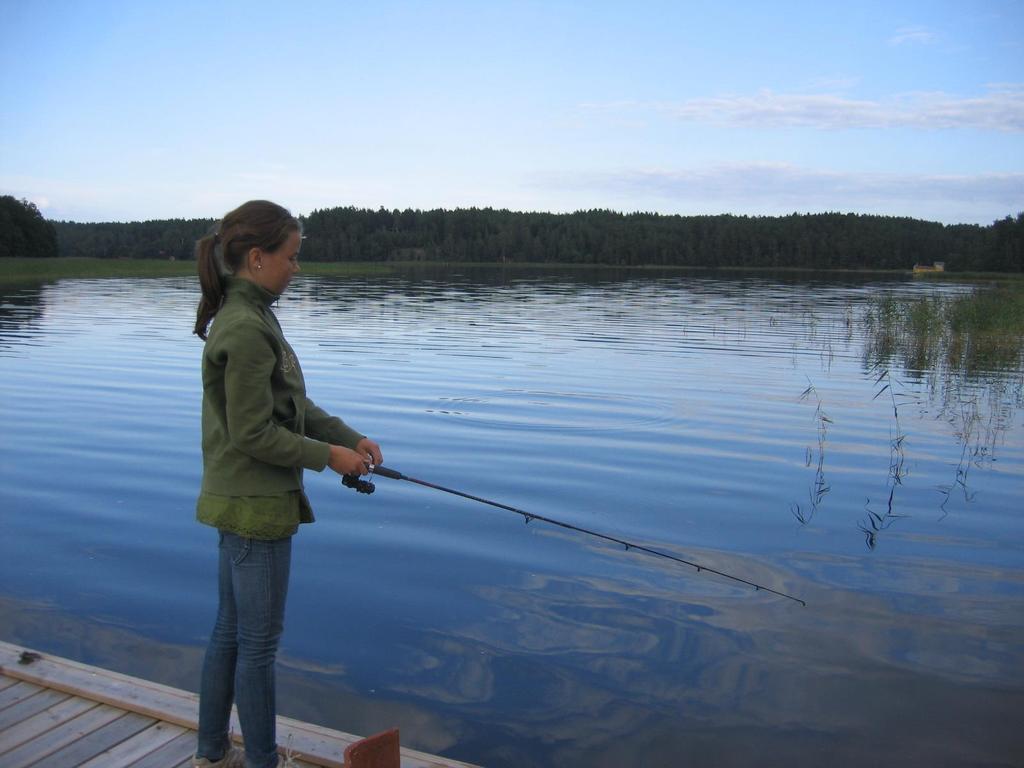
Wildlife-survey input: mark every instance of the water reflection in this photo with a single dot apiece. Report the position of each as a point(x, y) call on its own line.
point(664, 409)
point(21, 310)
point(599, 668)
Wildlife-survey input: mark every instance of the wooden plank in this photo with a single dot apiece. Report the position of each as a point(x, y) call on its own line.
point(314, 744)
point(178, 754)
point(142, 696)
point(100, 740)
point(66, 733)
point(18, 693)
point(47, 720)
point(6, 682)
point(26, 708)
point(137, 747)
point(326, 747)
point(175, 752)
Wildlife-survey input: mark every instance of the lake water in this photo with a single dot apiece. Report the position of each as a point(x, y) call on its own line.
point(732, 421)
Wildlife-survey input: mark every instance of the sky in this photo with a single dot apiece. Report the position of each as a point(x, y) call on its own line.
point(125, 111)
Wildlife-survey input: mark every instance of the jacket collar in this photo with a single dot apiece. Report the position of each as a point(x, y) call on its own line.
point(250, 292)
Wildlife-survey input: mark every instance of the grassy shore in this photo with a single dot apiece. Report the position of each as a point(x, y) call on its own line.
point(15, 270)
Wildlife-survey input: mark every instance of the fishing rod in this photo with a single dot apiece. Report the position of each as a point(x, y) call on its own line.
point(367, 486)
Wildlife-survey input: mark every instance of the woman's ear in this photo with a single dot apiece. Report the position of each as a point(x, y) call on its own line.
point(255, 259)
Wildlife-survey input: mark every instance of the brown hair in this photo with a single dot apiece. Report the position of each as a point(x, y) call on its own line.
point(255, 224)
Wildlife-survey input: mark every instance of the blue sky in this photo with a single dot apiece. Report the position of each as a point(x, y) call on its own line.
point(116, 111)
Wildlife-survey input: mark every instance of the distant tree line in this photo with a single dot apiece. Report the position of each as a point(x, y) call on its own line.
point(816, 241)
point(158, 239)
point(485, 235)
point(24, 231)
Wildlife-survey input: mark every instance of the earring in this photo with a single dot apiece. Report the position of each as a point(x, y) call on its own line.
point(259, 266)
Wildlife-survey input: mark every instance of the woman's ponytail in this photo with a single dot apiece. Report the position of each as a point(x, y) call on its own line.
point(210, 281)
point(255, 224)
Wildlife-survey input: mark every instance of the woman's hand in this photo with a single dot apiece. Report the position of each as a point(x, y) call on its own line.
point(369, 449)
point(345, 461)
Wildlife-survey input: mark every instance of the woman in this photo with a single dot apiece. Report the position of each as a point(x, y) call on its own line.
point(259, 432)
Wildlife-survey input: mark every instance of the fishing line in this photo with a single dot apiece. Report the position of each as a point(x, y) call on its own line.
point(367, 486)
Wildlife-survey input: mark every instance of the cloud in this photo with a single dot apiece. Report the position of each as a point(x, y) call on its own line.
point(781, 187)
point(795, 184)
point(914, 36)
point(999, 109)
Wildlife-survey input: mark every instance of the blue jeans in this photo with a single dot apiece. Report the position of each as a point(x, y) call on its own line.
point(239, 662)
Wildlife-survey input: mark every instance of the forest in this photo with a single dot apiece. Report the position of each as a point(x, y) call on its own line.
point(487, 235)
point(23, 230)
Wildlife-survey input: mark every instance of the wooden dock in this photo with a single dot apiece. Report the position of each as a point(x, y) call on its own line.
point(57, 713)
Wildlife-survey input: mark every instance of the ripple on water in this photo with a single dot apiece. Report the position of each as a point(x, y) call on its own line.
point(553, 411)
point(662, 410)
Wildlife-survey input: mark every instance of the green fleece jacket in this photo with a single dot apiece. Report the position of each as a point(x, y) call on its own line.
point(259, 428)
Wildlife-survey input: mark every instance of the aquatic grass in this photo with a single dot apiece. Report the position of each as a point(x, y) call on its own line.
point(999, 308)
point(978, 331)
point(988, 330)
point(897, 458)
point(876, 522)
point(820, 487)
point(967, 346)
point(973, 452)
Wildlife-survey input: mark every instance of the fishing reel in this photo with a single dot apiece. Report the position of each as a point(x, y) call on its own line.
point(357, 484)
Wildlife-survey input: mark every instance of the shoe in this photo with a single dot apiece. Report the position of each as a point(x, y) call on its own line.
point(235, 758)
